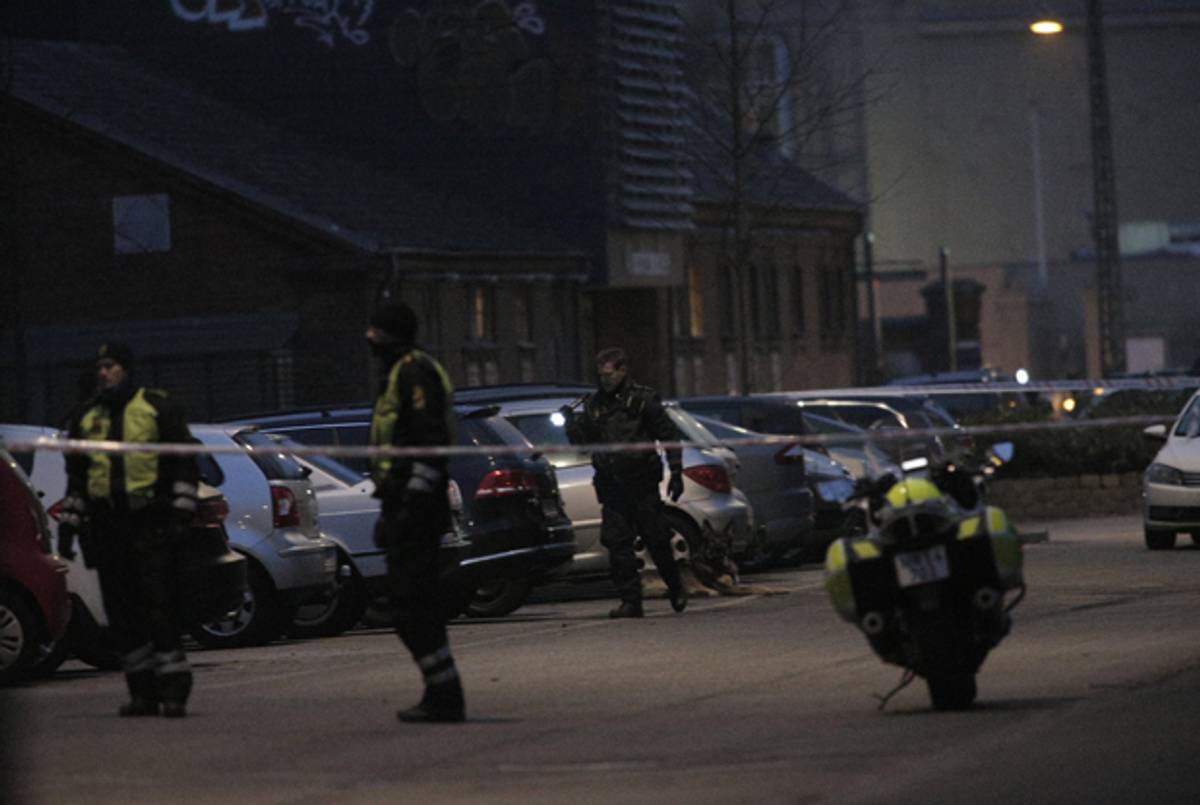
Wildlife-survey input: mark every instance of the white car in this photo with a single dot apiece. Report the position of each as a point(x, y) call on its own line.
point(1171, 484)
point(272, 521)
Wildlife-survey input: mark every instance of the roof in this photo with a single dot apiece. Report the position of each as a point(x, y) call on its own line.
point(372, 206)
point(772, 179)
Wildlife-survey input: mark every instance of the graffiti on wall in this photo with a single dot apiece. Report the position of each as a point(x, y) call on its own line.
point(331, 20)
point(473, 62)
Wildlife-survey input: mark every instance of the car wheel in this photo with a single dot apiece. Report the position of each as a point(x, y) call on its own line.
point(50, 658)
point(1158, 539)
point(335, 615)
point(254, 623)
point(499, 598)
point(18, 638)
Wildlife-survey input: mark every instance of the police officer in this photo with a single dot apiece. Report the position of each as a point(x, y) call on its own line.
point(134, 509)
point(627, 482)
point(414, 410)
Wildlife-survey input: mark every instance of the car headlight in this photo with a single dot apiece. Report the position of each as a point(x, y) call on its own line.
point(1162, 474)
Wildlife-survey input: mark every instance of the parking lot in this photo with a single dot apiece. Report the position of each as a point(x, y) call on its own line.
point(764, 698)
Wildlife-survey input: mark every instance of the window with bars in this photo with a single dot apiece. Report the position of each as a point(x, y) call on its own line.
point(481, 313)
point(832, 291)
point(796, 294)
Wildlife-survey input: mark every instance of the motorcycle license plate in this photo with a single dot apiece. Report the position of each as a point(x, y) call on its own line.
point(922, 567)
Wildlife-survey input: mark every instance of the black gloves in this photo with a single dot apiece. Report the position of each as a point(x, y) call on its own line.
point(66, 539)
point(675, 486)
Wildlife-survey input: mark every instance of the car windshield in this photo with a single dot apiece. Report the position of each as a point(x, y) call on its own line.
point(548, 429)
point(336, 469)
point(691, 429)
point(277, 466)
point(1188, 425)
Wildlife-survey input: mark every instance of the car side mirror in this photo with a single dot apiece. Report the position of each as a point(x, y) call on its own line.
point(1155, 433)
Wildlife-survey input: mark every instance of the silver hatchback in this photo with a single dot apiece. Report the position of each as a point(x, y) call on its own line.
point(709, 504)
point(273, 521)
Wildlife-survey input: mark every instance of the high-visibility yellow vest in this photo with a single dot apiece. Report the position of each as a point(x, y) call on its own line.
point(387, 409)
point(140, 424)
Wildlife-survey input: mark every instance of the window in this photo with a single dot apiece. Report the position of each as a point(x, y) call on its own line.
point(831, 287)
point(770, 303)
point(797, 299)
point(728, 303)
point(481, 313)
point(523, 313)
point(141, 224)
point(695, 299)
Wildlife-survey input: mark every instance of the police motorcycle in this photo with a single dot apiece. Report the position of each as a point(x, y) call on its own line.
point(929, 585)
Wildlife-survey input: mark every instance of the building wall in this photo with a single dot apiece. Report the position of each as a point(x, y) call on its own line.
point(229, 260)
point(950, 138)
point(801, 314)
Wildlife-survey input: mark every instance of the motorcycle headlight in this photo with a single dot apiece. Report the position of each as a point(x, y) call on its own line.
point(1162, 474)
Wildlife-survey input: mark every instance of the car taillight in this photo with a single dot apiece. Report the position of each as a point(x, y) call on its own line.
point(211, 511)
point(710, 477)
point(502, 483)
point(56, 511)
point(283, 507)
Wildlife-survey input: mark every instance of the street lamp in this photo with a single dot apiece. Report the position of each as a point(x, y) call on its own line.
point(1104, 192)
point(1046, 27)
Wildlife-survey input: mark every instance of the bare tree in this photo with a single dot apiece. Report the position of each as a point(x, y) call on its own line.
point(774, 83)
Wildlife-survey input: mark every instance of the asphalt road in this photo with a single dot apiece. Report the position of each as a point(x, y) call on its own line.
point(1094, 698)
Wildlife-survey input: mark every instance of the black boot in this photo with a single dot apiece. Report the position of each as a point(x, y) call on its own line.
point(441, 704)
point(679, 596)
point(173, 683)
point(627, 609)
point(138, 706)
point(142, 700)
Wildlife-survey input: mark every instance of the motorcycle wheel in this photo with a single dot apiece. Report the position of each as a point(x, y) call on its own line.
point(951, 691)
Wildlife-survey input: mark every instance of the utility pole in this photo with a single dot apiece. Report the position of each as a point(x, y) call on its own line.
point(948, 300)
point(876, 365)
point(1104, 221)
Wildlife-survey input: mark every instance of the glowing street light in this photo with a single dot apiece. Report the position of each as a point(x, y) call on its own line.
point(1046, 27)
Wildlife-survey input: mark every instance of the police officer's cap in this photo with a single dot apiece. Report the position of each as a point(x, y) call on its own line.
point(397, 320)
point(116, 352)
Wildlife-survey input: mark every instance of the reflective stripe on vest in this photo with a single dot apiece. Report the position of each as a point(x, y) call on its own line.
point(140, 424)
point(387, 410)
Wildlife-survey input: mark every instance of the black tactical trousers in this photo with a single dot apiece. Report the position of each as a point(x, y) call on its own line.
point(412, 542)
point(135, 560)
point(624, 515)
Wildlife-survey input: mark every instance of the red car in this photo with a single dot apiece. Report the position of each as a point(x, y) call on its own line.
point(34, 604)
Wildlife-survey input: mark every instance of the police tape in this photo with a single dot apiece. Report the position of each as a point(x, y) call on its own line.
point(1095, 387)
point(288, 447)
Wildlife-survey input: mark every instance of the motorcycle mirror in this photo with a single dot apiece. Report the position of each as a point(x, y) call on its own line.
point(1002, 452)
point(1155, 432)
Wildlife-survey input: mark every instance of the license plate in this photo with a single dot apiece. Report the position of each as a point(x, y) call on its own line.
point(922, 567)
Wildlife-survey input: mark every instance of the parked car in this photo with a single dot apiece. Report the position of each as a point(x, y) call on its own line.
point(519, 534)
point(348, 516)
point(34, 604)
point(215, 585)
point(709, 501)
point(274, 523)
point(775, 481)
point(1171, 484)
point(777, 415)
point(977, 402)
point(805, 497)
